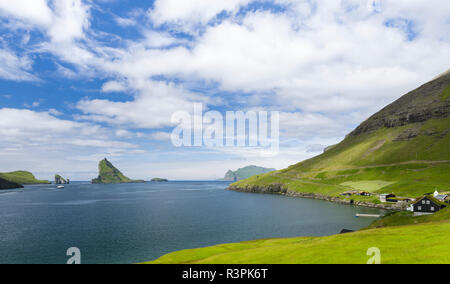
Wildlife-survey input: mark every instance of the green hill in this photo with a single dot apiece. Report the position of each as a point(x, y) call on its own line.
point(22, 177)
point(108, 174)
point(245, 173)
point(404, 149)
point(416, 244)
point(5, 184)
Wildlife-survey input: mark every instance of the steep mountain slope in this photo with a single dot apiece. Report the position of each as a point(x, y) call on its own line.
point(22, 177)
point(245, 173)
point(4, 184)
point(108, 174)
point(404, 148)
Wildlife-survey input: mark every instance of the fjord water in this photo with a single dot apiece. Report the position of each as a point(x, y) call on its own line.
point(131, 223)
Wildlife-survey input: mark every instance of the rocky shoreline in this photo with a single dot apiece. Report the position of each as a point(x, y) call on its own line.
point(281, 189)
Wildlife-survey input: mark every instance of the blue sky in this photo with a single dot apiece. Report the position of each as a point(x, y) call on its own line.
point(81, 80)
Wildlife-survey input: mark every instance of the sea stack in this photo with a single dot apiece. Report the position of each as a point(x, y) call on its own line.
point(108, 174)
point(60, 180)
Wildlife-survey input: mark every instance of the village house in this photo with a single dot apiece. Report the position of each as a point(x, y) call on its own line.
point(388, 198)
point(441, 197)
point(355, 192)
point(427, 205)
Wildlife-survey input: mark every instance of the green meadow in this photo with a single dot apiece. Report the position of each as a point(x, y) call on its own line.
point(414, 244)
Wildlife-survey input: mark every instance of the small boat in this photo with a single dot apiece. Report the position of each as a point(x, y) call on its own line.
point(368, 215)
point(60, 187)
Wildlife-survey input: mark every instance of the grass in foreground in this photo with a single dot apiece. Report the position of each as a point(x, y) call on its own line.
point(424, 243)
point(407, 218)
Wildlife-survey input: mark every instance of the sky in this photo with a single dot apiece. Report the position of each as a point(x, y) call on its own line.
point(81, 80)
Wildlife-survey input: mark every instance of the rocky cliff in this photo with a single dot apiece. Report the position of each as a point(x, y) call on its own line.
point(430, 101)
point(5, 184)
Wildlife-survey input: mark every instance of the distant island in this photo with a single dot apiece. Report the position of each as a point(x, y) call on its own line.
point(159, 180)
point(245, 173)
point(22, 178)
point(108, 174)
point(60, 180)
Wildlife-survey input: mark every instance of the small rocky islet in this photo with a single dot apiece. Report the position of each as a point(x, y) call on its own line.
point(159, 180)
point(60, 180)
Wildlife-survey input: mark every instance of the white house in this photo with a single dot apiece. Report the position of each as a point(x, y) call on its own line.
point(440, 197)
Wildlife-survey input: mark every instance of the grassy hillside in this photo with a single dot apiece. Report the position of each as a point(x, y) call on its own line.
point(407, 218)
point(404, 149)
point(425, 243)
point(108, 174)
point(22, 177)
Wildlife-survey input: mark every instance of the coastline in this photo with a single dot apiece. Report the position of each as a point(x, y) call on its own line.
point(281, 189)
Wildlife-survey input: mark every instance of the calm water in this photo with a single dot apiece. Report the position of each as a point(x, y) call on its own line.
point(140, 222)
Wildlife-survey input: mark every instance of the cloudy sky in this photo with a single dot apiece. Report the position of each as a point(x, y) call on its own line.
point(81, 80)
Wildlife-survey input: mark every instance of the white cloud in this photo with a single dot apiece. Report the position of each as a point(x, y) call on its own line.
point(26, 128)
point(63, 20)
point(161, 136)
point(331, 55)
point(26, 123)
point(15, 68)
point(35, 12)
point(125, 22)
point(113, 86)
point(32, 105)
point(151, 108)
point(185, 12)
point(71, 18)
point(122, 133)
point(54, 112)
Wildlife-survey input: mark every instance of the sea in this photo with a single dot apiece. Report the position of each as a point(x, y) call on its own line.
point(134, 223)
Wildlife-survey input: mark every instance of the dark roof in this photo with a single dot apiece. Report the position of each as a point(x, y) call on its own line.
point(431, 198)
